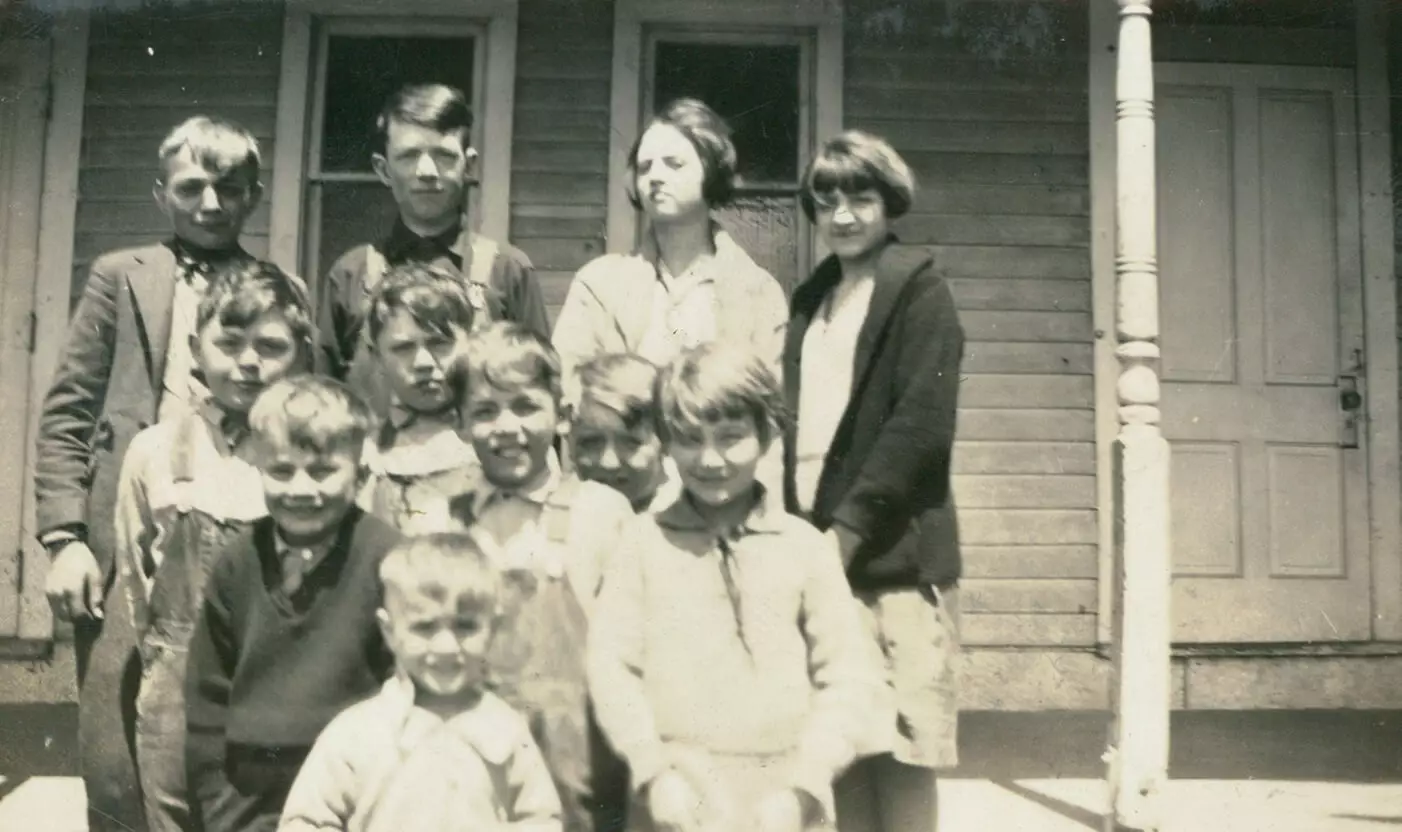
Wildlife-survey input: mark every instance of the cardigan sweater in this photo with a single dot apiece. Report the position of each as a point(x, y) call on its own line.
point(886, 477)
point(271, 671)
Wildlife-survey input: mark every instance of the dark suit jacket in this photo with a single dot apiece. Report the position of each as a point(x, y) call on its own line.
point(887, 475)
point(106, 389)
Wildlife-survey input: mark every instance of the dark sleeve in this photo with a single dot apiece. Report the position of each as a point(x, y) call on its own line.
point(339, 318)
point(213, 659)
point(526, 300)
point(64, 447)
point(908, 465)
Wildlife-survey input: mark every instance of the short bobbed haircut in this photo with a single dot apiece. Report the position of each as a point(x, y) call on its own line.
point(217, 144)
point(435, 106)
point(312, 413)
point(436, 299)
point(709, 134)
point(240, 297)
point(447, 567)
point(505, 354)
point(622, 383)
point(720, 381)
point(857, 161)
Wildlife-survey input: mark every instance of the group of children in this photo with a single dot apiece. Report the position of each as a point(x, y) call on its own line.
point(423, 621)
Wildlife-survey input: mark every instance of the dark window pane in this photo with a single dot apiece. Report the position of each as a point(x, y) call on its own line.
point(352, 213)
point(361, 73)
point(754, 88)
point(767, 228)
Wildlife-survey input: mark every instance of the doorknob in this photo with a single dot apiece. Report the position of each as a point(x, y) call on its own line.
point(1351, 403)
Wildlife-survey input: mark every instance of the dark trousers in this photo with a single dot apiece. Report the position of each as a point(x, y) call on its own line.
point(109, 674)
point(251, 792)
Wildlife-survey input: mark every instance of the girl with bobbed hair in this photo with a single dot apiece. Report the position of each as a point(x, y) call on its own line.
point(871, 368)
point(688, 283)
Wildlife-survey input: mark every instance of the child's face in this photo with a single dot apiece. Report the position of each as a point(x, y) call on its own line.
point(425, 169)
point(206, 207)
point(606, 451)
point(308, 492)
point(717, 459)
point(512, 429)
point(439, 643)
point(415, 361)
point(240, 362)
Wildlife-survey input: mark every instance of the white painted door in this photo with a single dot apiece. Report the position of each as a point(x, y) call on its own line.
point(1262, 335)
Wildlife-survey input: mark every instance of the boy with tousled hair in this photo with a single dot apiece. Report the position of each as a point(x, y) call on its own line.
point(287, 635)
point(418, 319)
point(435, 750)
point(126, 364)
point(550, 534)
point(186, 490)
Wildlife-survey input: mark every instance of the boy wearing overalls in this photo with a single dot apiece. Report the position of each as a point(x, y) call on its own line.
point(185, 491)
point(419, 318)
point(550, 535)
point(425, 158)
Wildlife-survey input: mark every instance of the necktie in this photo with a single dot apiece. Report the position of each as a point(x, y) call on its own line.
point(295, 565)
point(234, 427)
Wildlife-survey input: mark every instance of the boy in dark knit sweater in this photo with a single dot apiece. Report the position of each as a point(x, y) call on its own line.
point(287, 635)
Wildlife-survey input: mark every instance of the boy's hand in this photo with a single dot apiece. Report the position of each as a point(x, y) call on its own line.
point(74, 585)
point(780, 812)
point(672, 803)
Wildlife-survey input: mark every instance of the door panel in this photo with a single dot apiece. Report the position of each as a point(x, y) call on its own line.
point(1260, 313)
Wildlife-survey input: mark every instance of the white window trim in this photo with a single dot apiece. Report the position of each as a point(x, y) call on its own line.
point(492, 121)
point(822, 18)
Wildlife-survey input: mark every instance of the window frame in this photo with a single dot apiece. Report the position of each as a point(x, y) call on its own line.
point(719, 21)
point(300, 106)
point(715, 36)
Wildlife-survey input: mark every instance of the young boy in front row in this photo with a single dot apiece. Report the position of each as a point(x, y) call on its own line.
point(613, 435)
point(434, 751)
point(727, 661)
point(419, 318)
point(549, 535)
point(186, 490)
point(287, 635)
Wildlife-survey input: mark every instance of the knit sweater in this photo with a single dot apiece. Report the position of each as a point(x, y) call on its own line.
point(271, 671)
point(775, 662)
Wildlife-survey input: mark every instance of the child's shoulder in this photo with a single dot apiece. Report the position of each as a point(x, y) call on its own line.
point(608, 273)
point(370, 533)
point(596, 498)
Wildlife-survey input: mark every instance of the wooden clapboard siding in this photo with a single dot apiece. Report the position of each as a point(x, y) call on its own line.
point(148, 71)
point(1000, 144)
point(559, 162)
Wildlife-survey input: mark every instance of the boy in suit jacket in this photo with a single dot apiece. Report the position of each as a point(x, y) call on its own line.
point(125, 365)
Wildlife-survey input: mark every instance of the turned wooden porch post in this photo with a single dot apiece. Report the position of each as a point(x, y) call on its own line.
point(1138, 758)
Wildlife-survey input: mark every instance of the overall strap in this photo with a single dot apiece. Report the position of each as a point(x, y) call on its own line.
point(182, 460)
point(482, 253)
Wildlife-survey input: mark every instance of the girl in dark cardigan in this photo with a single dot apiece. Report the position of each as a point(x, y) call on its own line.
point(871, 367)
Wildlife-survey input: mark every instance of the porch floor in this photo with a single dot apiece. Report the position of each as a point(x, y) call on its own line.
point(1281, 771)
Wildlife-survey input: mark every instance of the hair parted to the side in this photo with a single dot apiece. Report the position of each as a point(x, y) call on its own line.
point(444, 566)
point(435, 106)
point(436, 299)
point(709, 134)
point(720, 381)
point(857, 161)
point(218, 144)
point(505, 354)
point(254, 289)
point(623, 383)
point(310, 412)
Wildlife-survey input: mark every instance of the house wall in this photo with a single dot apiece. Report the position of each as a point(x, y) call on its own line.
point(146, 73)
point(559, 164)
